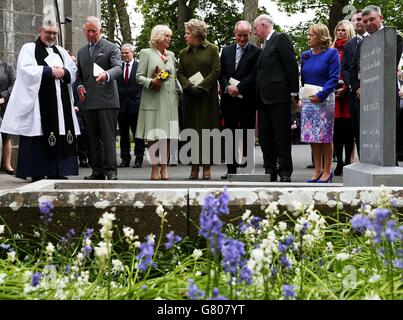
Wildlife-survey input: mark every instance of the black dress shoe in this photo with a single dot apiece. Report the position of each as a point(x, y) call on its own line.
point(112, 177)
point(224, 176)
point(273, 178)
point(95, 177)
point(84, 164)
point(34, 179)
point(285, 179)
point(124, 164)
point(57, 178)
point(138, 163)
point(10, 172)
point(310, 166)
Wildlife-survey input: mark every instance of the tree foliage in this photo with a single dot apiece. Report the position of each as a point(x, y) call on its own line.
point(220, 16)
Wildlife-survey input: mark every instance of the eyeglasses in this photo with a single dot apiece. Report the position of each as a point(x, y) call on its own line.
point(50, 33)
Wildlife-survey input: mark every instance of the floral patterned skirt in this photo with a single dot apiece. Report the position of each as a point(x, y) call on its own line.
point(317, 120)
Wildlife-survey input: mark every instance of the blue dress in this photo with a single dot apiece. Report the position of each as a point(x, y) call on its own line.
point(317, 119)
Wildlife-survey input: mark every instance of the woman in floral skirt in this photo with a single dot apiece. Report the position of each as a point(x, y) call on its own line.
point(320, 71)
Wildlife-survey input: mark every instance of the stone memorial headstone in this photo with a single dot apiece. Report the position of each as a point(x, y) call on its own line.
point(378, 80)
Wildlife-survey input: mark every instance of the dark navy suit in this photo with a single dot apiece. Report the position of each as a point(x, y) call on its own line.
point(239, 113)
point(129, 98)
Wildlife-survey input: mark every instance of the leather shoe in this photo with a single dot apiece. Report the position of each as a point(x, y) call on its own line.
point(95, 177)
point(124, 164)
point(138, 163)
point(10, 172)
point(112, 177)
point(273, 178)
point(84, 164)
point(285, 179)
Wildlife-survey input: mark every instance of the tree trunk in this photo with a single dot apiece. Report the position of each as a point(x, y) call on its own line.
point(185, 13)
point(124, 21)
point(336, 14)
point(250, 10)
point(111, 21)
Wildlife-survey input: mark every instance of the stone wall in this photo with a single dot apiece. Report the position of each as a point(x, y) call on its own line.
point(20, 19)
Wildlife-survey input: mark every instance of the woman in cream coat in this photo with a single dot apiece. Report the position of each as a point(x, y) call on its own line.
point(158, 117)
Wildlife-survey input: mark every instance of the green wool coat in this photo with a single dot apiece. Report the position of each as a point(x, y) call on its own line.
point(201, 111)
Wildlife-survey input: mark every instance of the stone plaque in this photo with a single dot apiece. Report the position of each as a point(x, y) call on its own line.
point(378, 98)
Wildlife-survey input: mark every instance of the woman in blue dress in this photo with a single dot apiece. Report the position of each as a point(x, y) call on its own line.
point(320, 71)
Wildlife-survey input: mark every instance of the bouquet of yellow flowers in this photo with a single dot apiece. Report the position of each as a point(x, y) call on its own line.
point(158, 77)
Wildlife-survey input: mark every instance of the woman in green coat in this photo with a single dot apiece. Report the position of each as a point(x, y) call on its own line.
point(158, 116)
point(200, 98)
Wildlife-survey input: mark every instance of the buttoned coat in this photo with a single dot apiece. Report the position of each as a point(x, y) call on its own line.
point(158, 110)
point(200, 112)
point(107, 56)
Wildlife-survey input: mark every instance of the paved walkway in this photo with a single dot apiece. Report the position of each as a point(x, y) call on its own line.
point(301, 158)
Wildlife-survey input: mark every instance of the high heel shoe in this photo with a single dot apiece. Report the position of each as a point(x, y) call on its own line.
point(206, 172)
point(314, 180)
point(194, 174)
point(328, 180)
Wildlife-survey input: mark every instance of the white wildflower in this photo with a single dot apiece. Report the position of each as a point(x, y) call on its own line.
point(372, 296)
point(139, 204)
point(342, 256)
point(128, 234)
point(11, 256)
point(137, 244)
point(246, 215)
point(37, 234)
point(2, 277)
point(282, 226)
point(272, 209)
point(2, 228)
point(102, 250)
point(197, 253)
point(80, 256)
point(50, 248)
point(374, 278)
point(329, 246)
point(198, 273)
point(117, 266)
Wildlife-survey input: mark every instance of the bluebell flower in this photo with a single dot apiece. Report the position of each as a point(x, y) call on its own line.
point(36, 279)
point(232, 252)
point(194, 293)
point(360, 223)
point(86, 251)
point(289, 240)
point(288, 291)
point(392, 233)
point(67, 269)
point(223, 200)
point(88, 233)
point(45, 209)
point(393, 202)
point(145, 254)
point(246, 275)
point(282, 247)
point(172, 239)
point(285, 262)
point(305, 227)
point(217, 296)
point(398, 263)
point(382, 214)
point(210, 223)
point(6, 247)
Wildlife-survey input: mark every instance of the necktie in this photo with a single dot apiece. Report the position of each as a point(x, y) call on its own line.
point(90, 48)
point(238, 56)
point(127, 73)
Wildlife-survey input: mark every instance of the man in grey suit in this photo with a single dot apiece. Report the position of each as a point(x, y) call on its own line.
point(97, 90)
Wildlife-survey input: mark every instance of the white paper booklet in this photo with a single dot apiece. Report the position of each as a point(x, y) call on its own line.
point(310, 90)
point(97, 70)
point(235, 82)
point(54, 60)
point(196, 79)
